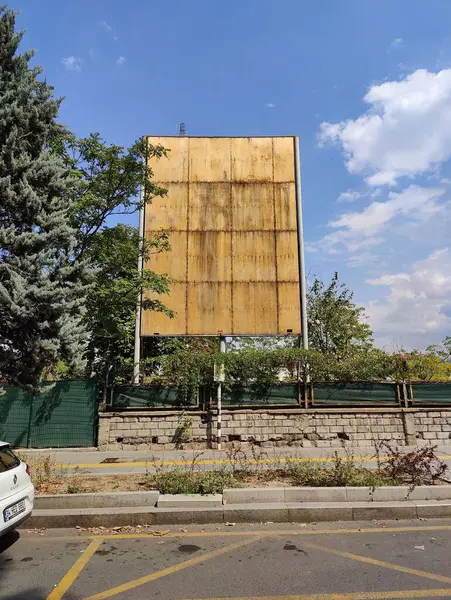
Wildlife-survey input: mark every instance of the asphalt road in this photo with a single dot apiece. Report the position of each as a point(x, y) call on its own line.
point(337, 561)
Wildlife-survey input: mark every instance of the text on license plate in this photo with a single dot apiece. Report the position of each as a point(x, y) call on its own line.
point(14, 510)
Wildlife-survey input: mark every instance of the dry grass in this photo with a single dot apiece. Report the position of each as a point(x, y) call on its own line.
point(414, 468)
point(135, 483)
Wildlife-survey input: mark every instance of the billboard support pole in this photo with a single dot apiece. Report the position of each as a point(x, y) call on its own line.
point(301, 253)
point(220, 377)
point(137, 352)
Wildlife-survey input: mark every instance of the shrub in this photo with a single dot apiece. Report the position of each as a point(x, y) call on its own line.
point(44, 471)
point(180, 481)
point(341, 473)
point(74, 488)
point(418, 467)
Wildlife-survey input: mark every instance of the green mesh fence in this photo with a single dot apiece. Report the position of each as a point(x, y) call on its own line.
point(152, 397)
point(276, 395)
point(15, 407)
point(430, 393)
point(63, 415)
point(354, 393)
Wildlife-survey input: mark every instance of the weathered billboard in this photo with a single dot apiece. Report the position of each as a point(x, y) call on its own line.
point(231, 213)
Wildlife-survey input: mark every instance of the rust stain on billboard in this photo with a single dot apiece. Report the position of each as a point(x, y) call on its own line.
point(231, 211)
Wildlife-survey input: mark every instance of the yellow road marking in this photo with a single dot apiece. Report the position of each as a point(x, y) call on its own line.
point(221, 461)
point(75, 570)
point(276, 532)
point(379, 563)
point(169, 570)
point(354, 596)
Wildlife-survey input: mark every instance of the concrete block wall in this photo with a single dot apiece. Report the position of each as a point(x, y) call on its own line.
point(433, 426)
point(295, 427)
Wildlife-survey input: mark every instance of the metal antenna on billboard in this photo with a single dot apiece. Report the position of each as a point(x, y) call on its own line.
point(182, 130)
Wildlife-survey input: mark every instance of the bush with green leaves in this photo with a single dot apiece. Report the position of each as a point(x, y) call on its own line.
point(180, 481)
point(340, 473)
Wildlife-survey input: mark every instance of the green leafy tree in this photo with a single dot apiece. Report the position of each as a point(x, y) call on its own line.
point(442, 351)
point(106, 183)
point(336, 325)
point(112, 301)
point(434, 364)
point(42, 286)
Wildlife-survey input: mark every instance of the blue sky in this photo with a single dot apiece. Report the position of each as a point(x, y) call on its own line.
point(366, 84)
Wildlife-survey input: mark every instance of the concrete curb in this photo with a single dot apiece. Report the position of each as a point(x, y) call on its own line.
point(336, 494)
point(97, 500)
point(189, 501)
point(286, 512)
point(233, 496)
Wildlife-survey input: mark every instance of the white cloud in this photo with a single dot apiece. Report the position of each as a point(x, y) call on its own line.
point(362, 259)
point(106, 26)
point(349, 196)
point(405, 132)
point(121, 60)
point(72, 63)
point(109, 29)
point(389, 279)
point(418, 303)
point(368, 227)
point(270, 105)
point(414, 200)
point(397, 43)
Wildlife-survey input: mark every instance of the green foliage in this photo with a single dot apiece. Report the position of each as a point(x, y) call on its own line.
point(365, 365)
point(183, 431)
point(42, 287)
point(394, 467)
point(260, 369)
point(73, 488)
point(431, 365)
point(106, 180)
point(180, 481)
point(336, 325)
point(57, 372)
point(342, 472)
point(160, 346)
point(112, 301)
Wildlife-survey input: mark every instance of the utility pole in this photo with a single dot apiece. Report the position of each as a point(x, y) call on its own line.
point(301, 252)
point(137, 352)
point(219, 378)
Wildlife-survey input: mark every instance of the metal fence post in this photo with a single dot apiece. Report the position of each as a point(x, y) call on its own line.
point(30, 416)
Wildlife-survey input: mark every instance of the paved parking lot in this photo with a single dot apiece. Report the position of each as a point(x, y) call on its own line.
point(336, 561)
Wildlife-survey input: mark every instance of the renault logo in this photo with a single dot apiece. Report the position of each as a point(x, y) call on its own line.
point(15, 479)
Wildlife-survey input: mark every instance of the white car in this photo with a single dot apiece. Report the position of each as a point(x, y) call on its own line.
point(16, 490)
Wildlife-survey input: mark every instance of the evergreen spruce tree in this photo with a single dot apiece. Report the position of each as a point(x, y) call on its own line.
point(42, 288)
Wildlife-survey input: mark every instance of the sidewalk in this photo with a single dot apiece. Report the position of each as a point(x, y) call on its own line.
point(122, 462)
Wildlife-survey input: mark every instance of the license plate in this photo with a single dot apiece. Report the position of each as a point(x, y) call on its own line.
point(14, 510)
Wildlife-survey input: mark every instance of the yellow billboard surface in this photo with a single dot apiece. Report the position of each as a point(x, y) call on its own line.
point(231, 213)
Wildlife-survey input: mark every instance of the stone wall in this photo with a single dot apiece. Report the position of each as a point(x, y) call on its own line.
point(302, 428)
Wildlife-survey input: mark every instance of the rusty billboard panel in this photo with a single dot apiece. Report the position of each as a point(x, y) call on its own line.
point(231, 213)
